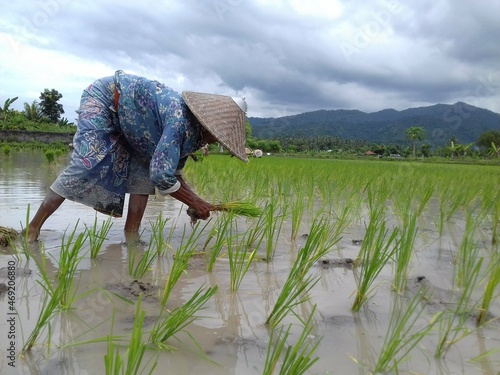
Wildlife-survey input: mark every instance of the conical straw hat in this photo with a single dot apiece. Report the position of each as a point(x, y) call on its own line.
point(222, 117)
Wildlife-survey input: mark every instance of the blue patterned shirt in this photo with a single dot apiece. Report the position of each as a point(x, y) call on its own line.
point(158, 126)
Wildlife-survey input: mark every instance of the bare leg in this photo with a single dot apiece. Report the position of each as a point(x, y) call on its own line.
point(136, 207)
point(49, 205)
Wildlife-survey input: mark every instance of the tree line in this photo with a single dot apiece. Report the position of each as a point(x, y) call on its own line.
point(47, 110)
point(488, 145)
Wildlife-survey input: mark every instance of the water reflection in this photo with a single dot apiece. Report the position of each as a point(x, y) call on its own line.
point(25, 177)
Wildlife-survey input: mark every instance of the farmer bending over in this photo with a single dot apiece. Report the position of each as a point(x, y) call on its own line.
point(134, 134)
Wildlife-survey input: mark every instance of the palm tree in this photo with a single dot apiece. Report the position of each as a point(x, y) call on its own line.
point(33, 111)
point(414, 133)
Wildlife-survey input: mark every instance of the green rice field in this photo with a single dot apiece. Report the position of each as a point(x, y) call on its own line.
point(351, 267)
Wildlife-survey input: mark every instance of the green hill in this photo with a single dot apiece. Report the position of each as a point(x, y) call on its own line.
point(441, 122)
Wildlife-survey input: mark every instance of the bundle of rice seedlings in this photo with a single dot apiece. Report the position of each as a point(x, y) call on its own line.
point(236, 208)
point(7, 235)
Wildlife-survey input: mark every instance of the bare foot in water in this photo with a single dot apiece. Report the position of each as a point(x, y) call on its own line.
point(30, 233)
point(133, 238)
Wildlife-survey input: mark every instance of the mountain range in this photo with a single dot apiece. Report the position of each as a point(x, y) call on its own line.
point(442, 122)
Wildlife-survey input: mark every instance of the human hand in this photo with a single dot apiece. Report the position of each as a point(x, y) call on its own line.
point(201, 209)
point(195, 216)
point(198, 208)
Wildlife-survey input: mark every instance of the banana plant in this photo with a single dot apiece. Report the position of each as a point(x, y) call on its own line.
point(495, 151)
point(5, 109)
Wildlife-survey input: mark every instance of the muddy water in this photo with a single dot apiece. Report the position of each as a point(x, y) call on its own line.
point(230, 333)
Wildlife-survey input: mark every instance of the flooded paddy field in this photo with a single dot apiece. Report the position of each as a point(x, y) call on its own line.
point(358, 213)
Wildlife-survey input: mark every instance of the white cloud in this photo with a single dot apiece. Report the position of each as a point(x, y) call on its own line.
point(330, 9)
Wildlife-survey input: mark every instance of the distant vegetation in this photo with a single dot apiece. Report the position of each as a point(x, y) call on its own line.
point(456, 132)
point(328, 147)
point(19, 122)
point(43, 116)
point(451, 131)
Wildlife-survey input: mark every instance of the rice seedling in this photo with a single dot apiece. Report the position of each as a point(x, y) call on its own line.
point(297, 212)
point(181, 259)
point(260, 183)
point(7, 235)
point(272, 228)
point(6, 149)
point(156, 247)
point(428, 192)
point(220, 231)
point(413, 198)
point(254, 235)
point(137, 269)
point(23, 237)
point(179, 318)
point(399, 342)
point(404, 251)
point(310, 189)
point(297, 285)
point(467, 253)
point(495, 219)
point(69, 259)
point(491, 203)
point(491, 285)
point(294, 291)
point(452, 323)
point(61, 297)
point(113, 361)
point(98, 236)
point(131, 362)
point(298, 358)
point(376, 250)
point(49, 309)
point(173, 227)
point(157, 230)
point(486, 362)
point(240, 258)
point(452, 197)
point(50, 305)
point(245, 209)
point(50, 155)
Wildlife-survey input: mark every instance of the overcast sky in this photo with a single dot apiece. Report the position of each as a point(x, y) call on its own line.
point(285, 57)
